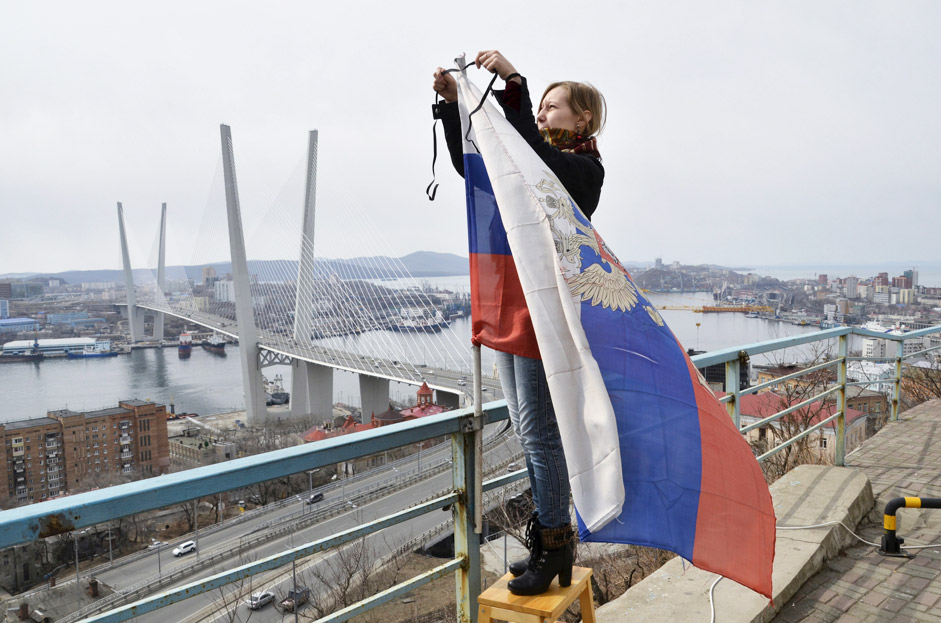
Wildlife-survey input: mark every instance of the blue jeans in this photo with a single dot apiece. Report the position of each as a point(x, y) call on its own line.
point(530, 406)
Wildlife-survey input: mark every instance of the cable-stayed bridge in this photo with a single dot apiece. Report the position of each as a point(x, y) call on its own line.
point(304, 312)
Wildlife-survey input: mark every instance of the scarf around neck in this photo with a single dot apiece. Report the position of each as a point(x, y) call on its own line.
point(571, 142)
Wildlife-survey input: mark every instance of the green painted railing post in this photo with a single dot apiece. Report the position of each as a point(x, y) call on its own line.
point(840, 452)
point(897, 394)
point(466, 541)
point(732, 381)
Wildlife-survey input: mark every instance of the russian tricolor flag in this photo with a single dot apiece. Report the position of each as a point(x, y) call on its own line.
point(653, 458)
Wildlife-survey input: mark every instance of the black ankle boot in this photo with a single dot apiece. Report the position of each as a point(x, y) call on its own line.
point(556, 554)
point(518, 567)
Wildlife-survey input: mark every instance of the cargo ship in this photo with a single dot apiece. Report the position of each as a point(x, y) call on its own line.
point(91, 352)
point(186, 346)
point(215, 345)
point(100, 348)
point(419, 323)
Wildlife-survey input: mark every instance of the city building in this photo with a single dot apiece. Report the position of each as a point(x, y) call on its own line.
point(55, 346)
point(192, 448)
point(878, 348)
point(901, 283)
point(425, 406)
point(754, 407)
point(767, 373)
point(715, 374)
point(850, 285)
point(25, 290)
point(209, 275)
point(4, 309)
point(18, 325)
point(73, 319)
point(907, 297)
point(51, 456)
point(100, 285)
point(224, 291)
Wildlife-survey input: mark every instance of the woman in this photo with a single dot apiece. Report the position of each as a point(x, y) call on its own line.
point(562, 134)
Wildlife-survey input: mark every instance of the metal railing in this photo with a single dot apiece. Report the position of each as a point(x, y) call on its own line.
point(75, 512)
point(734, 357)
point(78, 511)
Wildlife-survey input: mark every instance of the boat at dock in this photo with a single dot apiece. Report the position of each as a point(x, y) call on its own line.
point(185, 347)
point(423, 323)
point(215, 345)
point(91, 353)
point(100, 348)
point(274, 391)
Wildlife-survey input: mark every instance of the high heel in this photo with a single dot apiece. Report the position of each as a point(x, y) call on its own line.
point(555, 557)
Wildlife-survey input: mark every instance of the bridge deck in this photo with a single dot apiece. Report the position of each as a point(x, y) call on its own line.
point(904, 459)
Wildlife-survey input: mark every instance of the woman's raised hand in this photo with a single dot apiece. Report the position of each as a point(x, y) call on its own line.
point(495, 63)
point(445, 85)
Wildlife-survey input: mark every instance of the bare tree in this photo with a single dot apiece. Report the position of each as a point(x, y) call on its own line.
point(353, 573)
point(786, 394)
point(920, 383)
point(231, 596)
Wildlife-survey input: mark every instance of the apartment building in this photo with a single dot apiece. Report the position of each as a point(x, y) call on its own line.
point(51, 456)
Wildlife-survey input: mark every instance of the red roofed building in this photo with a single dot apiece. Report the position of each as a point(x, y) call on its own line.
point(349, 426)
point(754, 407)
point(424, 407)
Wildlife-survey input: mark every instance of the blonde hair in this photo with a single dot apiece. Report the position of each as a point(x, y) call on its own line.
point(582, 97)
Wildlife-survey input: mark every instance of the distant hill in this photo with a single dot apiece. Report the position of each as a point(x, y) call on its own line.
point(418, 264)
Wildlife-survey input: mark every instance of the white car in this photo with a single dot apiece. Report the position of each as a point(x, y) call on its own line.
point(155, 545)
point(185, 548)
point(259, 600)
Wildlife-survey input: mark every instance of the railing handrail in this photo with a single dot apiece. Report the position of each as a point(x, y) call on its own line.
point(27, 523)
point(757, 348)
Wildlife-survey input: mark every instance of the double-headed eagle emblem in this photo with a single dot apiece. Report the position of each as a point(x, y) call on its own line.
point(604, 282)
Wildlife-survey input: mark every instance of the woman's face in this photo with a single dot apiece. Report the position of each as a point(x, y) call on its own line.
point(555, 112)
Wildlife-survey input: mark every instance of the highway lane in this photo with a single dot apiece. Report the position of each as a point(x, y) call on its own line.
point(123, 575)
point(140, 570)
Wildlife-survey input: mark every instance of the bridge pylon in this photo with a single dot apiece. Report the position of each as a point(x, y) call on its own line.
point(311, 384)
point(135, 316)
point(161, 273)
point(255, 409)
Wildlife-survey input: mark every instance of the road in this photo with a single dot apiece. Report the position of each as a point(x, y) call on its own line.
point(140, 570)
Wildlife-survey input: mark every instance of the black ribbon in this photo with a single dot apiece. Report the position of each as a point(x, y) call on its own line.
point(432, 188)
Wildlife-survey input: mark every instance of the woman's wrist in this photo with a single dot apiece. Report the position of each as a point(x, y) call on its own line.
point(514, 77)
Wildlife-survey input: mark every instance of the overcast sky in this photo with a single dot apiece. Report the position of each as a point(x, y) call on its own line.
point(740, 133)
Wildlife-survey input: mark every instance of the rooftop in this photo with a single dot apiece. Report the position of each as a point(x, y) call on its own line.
point(137, 403)
point(39, 421)
point(106, 412)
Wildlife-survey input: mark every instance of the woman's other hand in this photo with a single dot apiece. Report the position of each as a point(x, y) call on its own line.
point(445, 85)
point(496, 63)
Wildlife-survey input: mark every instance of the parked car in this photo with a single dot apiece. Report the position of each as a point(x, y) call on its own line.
point(184, 548)
point(295, 599)
point(259, 600)
point(315, 498)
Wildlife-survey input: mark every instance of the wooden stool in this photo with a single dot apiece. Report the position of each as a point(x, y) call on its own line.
point(498, 603)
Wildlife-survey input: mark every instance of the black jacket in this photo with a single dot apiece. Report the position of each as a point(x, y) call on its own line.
point(581, 174)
